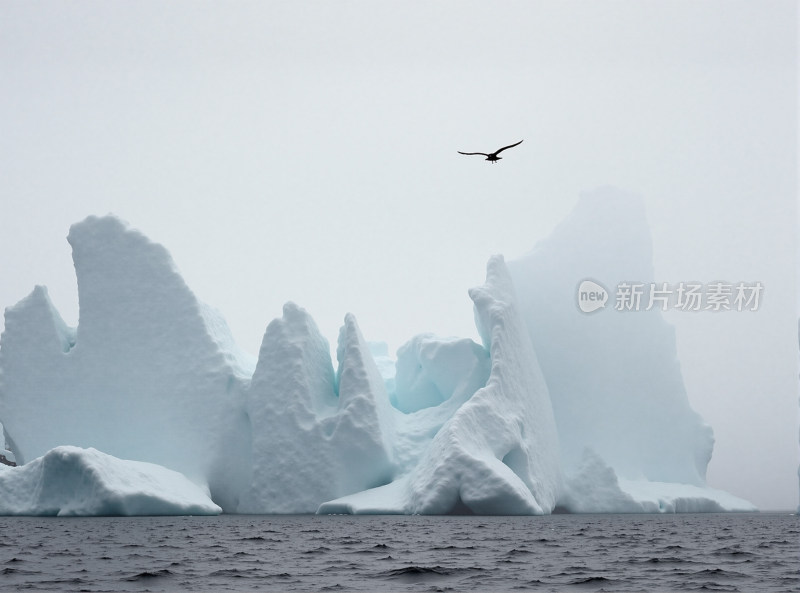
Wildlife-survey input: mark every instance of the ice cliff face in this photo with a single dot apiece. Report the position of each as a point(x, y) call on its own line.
point(554, 409)
point(315, 436)
point(614, 377)
point(498, 454)
point(150, 374)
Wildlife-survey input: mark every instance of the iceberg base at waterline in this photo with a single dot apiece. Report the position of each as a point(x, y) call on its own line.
point(71, 481)
point(595, 488)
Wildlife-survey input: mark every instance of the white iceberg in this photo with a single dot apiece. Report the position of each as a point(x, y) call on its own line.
point(70, 481)
point(315, 436)
point(595, 488)
point(498, 452)
point(431, 370)
point(7, 457)
point(152, 374)
point(614, 377)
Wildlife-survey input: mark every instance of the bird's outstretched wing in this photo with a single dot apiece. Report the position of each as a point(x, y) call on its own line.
point(509, 146)
point(480, 153)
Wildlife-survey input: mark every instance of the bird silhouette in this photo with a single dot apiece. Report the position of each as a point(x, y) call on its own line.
point(492, 156)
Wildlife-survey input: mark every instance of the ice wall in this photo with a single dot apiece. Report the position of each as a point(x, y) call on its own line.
point(614, 377)
point(499, 452)
point(150, 373)
point(315, 436)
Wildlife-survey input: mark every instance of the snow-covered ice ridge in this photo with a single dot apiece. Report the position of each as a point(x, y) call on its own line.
point(554, 411)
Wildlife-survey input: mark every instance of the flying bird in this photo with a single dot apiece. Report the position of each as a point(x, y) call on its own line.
point(492, 156)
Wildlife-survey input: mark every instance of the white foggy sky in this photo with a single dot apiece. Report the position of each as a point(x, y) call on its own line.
point(306, 151)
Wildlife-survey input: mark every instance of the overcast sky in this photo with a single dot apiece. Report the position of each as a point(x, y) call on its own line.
point(306, 151)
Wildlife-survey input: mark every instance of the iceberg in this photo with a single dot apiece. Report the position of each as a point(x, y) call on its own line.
point(316, 435)
point(595, 488)
point(431, 370)
point(70, 481)
point(555, 410)
point(614, 377)
point(6, 455)
point(149, 374)
point(498, 453)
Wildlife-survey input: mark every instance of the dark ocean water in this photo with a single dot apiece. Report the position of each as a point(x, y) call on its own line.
point(707, 552)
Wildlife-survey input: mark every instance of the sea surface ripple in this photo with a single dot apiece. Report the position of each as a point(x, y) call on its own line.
point(706, 552)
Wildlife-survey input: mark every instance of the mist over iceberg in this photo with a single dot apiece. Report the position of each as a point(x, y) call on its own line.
point(555, 410)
